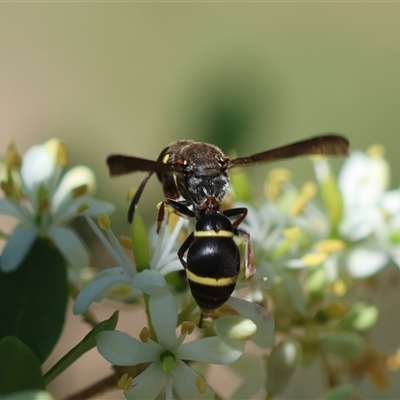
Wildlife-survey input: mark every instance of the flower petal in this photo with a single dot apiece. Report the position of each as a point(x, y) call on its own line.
point(120, 349)
point(185, 383)
point(212, 350)
point(18, 247)
point(38, 167)
point(363, 263)
point(98, 288)
point(164, 317)
point(149, 282)
point(69, 209)
point(10, 207)
point(147, 385)
point(70, 245)
point(78, 176)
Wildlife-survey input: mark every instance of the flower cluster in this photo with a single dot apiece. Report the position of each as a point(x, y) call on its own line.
point(312, 244)
point(43, 203)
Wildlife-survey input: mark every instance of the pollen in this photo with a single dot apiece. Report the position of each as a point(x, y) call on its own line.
point(313, 259)
point(104, 221)
point(125, 382)
point(330, 246)
point(144, 334)
point(201, 384)
point(187, 328)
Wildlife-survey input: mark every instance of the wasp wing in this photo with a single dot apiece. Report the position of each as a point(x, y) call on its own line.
point(119, 165)
point(324, 145)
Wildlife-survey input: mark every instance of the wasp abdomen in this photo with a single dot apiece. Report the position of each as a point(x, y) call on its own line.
point(213, 265)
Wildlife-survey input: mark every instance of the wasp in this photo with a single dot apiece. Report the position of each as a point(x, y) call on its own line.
point(195, 179)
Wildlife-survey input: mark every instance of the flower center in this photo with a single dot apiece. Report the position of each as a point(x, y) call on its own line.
point(167, 359)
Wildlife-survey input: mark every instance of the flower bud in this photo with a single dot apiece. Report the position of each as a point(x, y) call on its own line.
point(235, 327)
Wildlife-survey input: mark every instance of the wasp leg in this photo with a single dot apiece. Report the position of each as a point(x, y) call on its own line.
point(179, 208)
point(233, 212)
point(184, 248)
point(249, 268)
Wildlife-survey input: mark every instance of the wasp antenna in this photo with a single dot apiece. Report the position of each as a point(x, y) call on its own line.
point(137, 196)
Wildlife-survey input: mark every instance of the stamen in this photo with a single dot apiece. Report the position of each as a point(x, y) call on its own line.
point(104, 221)
point(62, 154)
point(339, 288)
point(201, 384)
point(187, 328)
point(376, 151)
point(79, 191)
point(122, 290)
point(280, 175)
point(125, 382)
point(125, 242)
point(313, 259)
point(82, 208)
point(144, 335)
point(307, 193)
point(292, 233)
point(12, 159)
point(330, 246)
point(130, 194)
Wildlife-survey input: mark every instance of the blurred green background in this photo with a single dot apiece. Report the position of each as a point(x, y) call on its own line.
point(132, 77)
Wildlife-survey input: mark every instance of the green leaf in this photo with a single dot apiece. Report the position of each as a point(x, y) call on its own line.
point(342, 392)
point(140, 243)
point(88, 342)
point(19, 368)
point(332, 198)
point(33, 299)
point(344, 344)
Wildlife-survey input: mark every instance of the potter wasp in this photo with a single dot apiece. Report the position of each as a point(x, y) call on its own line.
point(195, 179)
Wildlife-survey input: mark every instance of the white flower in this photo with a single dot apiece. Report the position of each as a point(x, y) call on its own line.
point(370, 257)
point(165, 246)
point(363, 181)
point(49, 207)
point(166, 355)
point(123, 276)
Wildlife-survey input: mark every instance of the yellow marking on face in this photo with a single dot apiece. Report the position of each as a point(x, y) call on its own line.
point(213, 234)
point(207, 281)
point(166, 158)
